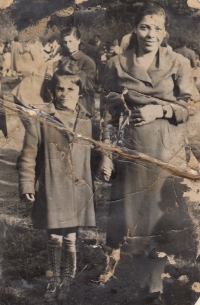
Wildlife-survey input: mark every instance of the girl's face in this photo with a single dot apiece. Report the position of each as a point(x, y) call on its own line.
point(151, 32)
point(70, 43)
point(66, 92)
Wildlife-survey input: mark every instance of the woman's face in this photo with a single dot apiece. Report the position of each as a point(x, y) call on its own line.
point(70, 43)
point(66, 92)
point(151, 32)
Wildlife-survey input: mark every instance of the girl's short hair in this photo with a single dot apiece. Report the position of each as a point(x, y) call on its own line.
point(65, 74)
point(70, 30)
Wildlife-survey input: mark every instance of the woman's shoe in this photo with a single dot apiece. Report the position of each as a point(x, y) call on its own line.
point(112, 262)
point(153, 299)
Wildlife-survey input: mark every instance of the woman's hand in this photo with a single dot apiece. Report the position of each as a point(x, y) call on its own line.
point(28, 197)
point(106, 167)
point(146, 114)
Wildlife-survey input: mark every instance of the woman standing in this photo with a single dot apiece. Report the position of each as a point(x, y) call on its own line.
point(145, 201)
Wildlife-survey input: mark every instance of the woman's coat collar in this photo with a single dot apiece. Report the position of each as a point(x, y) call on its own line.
point(156, 70)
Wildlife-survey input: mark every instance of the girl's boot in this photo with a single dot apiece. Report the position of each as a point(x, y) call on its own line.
point(69, 265)
point(54, 253)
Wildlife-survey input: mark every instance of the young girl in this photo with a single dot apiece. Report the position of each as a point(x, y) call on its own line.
point(55, 175)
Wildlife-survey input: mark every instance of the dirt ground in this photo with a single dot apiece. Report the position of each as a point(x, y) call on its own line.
point(23, 258)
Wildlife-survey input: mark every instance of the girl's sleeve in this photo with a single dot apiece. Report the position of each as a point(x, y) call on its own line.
point(28, 159)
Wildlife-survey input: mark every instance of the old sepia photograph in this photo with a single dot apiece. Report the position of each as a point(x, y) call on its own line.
point(99, 152)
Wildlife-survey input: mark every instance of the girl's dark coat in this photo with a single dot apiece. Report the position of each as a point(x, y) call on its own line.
point(56, 168)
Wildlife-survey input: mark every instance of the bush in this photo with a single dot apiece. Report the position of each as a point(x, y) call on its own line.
point(8, 33)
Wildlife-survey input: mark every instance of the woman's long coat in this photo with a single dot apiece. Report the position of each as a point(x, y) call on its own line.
point(55, 166)
point(146, 204)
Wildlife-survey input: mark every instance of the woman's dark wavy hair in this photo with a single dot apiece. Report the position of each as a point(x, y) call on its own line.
point(151, 8)
point(70, 30)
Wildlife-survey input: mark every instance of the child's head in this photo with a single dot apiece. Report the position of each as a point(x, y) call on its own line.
point(65, 90)
point(115, 42)
point(70, 39)
point(97, 38)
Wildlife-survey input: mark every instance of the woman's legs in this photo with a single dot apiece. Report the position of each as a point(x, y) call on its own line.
point(158, 268)
point(112, 261)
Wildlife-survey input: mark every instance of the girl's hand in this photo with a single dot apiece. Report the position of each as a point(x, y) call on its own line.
point(106, 167)
point(28, 197)
point(146, 114)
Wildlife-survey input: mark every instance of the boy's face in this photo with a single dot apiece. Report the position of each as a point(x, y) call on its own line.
point(70, 43)
point(66, 92)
